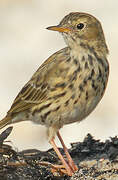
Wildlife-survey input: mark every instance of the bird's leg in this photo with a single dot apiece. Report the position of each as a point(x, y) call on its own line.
point(70, 161)
point(66, 166)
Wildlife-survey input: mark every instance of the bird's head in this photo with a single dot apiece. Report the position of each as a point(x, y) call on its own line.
point(81, 28)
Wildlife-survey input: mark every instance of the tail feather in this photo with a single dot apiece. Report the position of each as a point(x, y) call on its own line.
point(5, 121)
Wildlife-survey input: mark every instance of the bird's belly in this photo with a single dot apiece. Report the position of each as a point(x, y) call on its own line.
point(80, 111)
point(66, 111)
point(71, 113)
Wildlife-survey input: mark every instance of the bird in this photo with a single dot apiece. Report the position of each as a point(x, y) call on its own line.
point(67, 87)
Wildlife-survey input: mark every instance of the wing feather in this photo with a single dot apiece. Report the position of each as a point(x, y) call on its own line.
point(37, 89)
point(27, 97)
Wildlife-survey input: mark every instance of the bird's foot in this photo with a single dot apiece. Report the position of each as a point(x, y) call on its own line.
point(61, 170)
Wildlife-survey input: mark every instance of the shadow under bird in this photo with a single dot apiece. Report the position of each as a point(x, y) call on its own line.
point(68, 85)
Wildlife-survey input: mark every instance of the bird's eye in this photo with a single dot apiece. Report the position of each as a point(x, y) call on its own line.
point(80, 26)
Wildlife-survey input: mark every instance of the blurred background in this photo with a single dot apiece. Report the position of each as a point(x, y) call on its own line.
point(25, 44)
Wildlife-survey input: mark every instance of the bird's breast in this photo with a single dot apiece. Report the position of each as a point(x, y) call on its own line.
point(77, 95)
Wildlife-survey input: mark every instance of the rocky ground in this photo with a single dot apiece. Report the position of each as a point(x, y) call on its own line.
point(96, 160)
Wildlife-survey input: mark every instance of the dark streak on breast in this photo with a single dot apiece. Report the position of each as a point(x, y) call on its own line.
point(86, 95)
point(46, 114)
point(56, 109)
point(75, 61)
point(71, 86)
point(86, 65)
point(78, 69)
point(104, 85)
point(100, 73)
point(74, 76)
point(68, 60)
point(75, 102)
point(42, 119)
point(60, 85)
point(85, 81)
point(90, 60)
point(92, 72)
point(93, 85)
point(83, 58)
point(100, 61)
point(67, 102)
point(52, 89)
point(83, 45)
point(81, 87)
point(107, 68)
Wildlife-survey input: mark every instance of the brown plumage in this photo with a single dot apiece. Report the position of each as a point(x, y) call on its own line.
point(69, 84)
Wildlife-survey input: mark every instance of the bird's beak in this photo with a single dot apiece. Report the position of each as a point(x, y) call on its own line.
point(59, 29)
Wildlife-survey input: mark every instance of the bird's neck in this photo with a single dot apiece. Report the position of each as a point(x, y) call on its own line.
point(82, 49)
point(78, 51)
point(84, 46)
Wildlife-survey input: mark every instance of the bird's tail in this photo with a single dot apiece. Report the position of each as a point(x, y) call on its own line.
point(5, 121)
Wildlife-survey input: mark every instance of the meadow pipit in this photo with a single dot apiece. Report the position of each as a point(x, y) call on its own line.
point(69, 84)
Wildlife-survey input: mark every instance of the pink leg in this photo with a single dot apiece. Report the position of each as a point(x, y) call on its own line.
point(66, 166)
point(70, 161)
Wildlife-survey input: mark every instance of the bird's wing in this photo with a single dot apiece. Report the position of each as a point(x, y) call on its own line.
point(37, 89)
point(28, 96)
